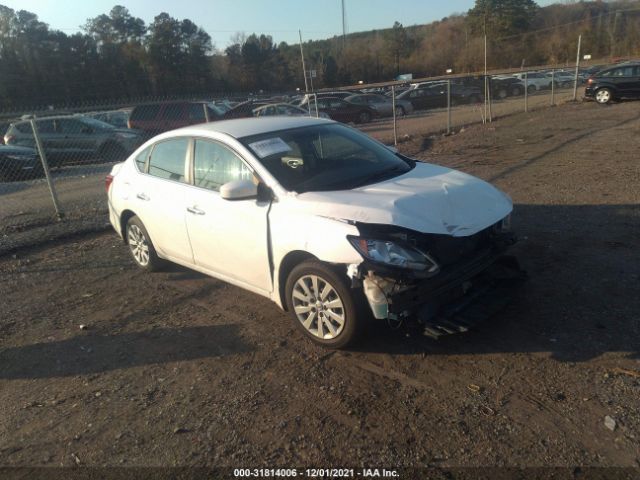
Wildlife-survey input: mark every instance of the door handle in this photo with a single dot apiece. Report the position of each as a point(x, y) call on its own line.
point(195, 210)
point(142, 196)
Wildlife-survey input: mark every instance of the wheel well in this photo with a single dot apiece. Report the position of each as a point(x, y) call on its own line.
point(124, 218)
point(287, 264)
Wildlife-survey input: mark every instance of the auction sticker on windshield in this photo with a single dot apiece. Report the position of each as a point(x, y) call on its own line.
point(271, 146)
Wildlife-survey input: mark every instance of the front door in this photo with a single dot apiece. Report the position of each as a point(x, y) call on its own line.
point(228, 237)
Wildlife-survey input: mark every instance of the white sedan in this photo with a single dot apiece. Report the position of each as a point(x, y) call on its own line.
point(333, 226)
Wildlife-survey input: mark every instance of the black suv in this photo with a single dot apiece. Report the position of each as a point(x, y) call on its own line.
point(614, 83)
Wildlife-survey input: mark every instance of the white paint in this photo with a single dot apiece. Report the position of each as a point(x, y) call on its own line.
point(229, 239)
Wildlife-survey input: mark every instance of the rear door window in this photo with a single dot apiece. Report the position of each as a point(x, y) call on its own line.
point(175, 112)
point(624, 72)
point(145, 112)
point(168, 159)
point(196, 112)
point(141, 159)
point(45, 126)
point(70, 127)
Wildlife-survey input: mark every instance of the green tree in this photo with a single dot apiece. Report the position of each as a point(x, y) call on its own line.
point(501, 18)
point(397, 44)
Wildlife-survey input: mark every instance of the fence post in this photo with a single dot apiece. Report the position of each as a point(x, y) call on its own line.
point(575, 82)
point(526, 93)
point(484, 100)
point(448, 106)
point(206, 113)
point(45, 167)
point(489, 98)
point(395, 120)
point(553, 87)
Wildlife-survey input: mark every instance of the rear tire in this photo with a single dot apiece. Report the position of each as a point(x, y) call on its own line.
point(502, 93)
point(323, 307)
point(531, 89)
point(400, 112)
point(141, 247)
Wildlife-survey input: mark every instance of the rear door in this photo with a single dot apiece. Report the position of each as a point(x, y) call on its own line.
point(626, 80)
point(383, 105)
point(176, 115)
point(77, 139)
point(159, 197)
point(227, 237)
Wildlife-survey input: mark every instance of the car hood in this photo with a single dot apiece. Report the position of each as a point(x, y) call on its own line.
point(427, 199)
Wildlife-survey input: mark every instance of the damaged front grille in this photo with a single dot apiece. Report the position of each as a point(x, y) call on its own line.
point(448, 250)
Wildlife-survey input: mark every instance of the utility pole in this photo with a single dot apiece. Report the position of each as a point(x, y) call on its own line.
point(304, 68)
point(486, 80)
point(344, 27)
point(575, 81)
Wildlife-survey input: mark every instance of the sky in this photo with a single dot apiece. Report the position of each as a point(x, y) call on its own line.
point(279, 18)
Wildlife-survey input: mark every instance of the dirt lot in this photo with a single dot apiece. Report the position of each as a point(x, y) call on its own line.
point(178, 369)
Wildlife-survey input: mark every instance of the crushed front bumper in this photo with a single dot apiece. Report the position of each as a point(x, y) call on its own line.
point(466, 295)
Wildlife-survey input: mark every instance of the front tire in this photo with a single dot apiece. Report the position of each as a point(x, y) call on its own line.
point(141, 247)
point(604, 96)
point(399, 112)
point(323, 307)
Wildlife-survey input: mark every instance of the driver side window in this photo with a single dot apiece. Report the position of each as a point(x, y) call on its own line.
point(214, 165)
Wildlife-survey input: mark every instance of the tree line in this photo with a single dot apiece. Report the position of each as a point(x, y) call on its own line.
point(116, 56)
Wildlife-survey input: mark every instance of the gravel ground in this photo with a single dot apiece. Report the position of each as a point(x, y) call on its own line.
point(177, 369)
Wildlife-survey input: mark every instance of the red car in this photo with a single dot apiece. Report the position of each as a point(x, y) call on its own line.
point(154, 118)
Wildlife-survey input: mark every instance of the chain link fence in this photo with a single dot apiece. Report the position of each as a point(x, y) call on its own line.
point(54, 161)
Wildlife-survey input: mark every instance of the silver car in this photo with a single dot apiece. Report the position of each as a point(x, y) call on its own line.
point(382, 104)
point(75, 138)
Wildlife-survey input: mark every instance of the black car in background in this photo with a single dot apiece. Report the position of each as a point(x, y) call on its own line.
point(343, 111)
point(435, 96)
point(19, 163)
point(614, 83)
point(243, 109)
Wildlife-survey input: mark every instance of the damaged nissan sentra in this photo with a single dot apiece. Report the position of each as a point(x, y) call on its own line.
point(333, 226)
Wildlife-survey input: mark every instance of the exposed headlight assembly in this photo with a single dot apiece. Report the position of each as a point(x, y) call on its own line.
point(390, 253)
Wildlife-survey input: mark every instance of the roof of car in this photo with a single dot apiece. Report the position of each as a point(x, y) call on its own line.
point(244, 127)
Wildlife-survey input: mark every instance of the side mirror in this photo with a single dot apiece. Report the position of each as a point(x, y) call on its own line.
point(239, 190)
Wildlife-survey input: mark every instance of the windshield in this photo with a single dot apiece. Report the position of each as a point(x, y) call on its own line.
point(97, 124)
point(325, 157)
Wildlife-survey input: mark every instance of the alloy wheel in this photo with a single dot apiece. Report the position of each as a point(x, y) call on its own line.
point(139, 245)
point(318, 307)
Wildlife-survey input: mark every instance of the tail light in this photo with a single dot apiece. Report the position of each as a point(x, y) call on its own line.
point(108, 181)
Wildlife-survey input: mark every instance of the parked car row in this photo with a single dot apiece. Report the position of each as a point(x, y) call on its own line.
point(74, 138)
